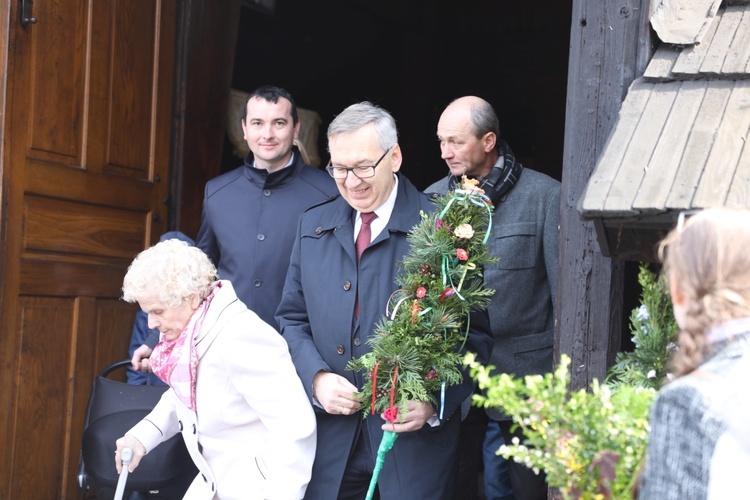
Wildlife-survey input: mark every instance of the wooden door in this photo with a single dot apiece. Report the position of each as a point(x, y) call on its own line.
point(84, 182)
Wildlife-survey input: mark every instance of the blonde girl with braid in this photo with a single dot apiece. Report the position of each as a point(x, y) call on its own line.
point(707, 262)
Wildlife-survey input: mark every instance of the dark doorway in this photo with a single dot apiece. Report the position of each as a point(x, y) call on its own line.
point(413, 58)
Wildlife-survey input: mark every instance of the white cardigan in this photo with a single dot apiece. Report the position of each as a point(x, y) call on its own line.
point(253, 423)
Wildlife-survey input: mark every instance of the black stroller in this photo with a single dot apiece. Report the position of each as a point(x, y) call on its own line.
point(114, 407)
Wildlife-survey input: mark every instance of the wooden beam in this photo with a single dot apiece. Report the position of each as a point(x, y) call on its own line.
point(607, 44)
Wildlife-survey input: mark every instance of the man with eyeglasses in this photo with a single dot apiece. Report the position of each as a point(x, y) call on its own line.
point(331, 302)
point(525, 239)
point(250, 213)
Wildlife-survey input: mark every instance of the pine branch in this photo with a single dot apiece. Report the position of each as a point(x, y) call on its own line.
point(654, 332)
point(415, 349)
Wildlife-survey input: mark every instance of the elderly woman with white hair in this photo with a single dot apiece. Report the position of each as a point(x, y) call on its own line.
point(234, 393)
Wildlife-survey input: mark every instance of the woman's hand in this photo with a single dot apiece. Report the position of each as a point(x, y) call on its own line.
point(140, 359)
point(128, 441)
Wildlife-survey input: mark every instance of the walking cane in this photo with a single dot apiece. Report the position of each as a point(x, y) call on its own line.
point(127, 454)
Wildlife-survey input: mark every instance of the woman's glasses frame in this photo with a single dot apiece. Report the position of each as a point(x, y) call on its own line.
point(685, 215)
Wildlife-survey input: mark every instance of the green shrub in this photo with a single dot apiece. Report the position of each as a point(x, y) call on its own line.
point(590, 444)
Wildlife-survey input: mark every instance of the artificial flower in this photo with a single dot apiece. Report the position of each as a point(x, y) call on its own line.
point(391, 414)
point(464, 231)
point(446, 293)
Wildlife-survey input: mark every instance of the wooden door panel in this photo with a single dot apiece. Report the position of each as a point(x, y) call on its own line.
point(41, 275)
point(86, 179)
point(74, 227)
point(49, 414)
point(114, 323)
point(57, 82)
point(45, 326)
point(58, 181)
point(131, 80)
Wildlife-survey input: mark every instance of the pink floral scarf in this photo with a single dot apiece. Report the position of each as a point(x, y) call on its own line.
point(176, 361)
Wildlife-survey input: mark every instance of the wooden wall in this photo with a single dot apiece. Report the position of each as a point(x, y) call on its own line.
point(609, 44)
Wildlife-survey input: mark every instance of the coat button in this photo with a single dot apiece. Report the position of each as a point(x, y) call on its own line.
point(347, 285)
point(266, 192)
point(261, 237)
point(357, 342)
point(194, 430)
point(257, 283)
point(179, 424)
point(319, 230)
point(340, 349)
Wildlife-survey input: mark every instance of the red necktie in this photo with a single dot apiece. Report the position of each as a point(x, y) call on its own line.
point(365, 233)
point(363, 239)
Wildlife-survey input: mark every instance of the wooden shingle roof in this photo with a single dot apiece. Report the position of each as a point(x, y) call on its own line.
point(680, 141)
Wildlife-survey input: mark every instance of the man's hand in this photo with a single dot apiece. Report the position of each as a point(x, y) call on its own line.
point(140, 359)
point(128, 441)
point(416, 416)
point(335, 393)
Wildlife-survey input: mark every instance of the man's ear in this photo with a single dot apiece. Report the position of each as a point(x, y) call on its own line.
point(489, 140)
point(396, 158)
point(296, 129)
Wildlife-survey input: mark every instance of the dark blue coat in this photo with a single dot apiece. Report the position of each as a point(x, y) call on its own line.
point(316, 317)
point(142, 334)
point(248, 225)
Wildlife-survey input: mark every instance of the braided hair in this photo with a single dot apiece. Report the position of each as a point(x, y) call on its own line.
point(708, 259)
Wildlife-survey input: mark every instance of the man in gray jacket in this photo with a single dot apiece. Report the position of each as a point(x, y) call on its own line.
point(525, 239)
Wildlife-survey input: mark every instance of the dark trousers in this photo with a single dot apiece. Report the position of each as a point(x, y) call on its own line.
point(470, 441)
point(358, 472)
point(526, 484)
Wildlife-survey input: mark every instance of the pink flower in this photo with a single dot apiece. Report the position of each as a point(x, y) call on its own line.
point(391, 414)
point(431, 374)
point(421, 292)
point(462, 254)
point(439, 224)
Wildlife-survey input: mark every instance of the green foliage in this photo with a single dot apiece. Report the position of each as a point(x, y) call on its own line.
point(416, 347)
point(654, 331)
point(590, 444)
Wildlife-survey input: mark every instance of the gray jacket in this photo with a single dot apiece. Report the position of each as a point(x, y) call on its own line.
point(525, 238)
point(686, 421)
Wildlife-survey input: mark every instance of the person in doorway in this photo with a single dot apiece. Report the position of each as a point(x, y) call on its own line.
point(250, 214)
point(525, 239)
point(331, 302)
point(249, 438)
point(695, 431)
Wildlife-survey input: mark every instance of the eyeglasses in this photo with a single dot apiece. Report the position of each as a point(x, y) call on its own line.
point(683, 216)
point(361, 172)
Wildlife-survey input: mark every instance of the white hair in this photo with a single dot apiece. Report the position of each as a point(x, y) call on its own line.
point(174, 269)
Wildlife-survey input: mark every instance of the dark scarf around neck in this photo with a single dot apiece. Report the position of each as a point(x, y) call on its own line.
point(501, 179)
